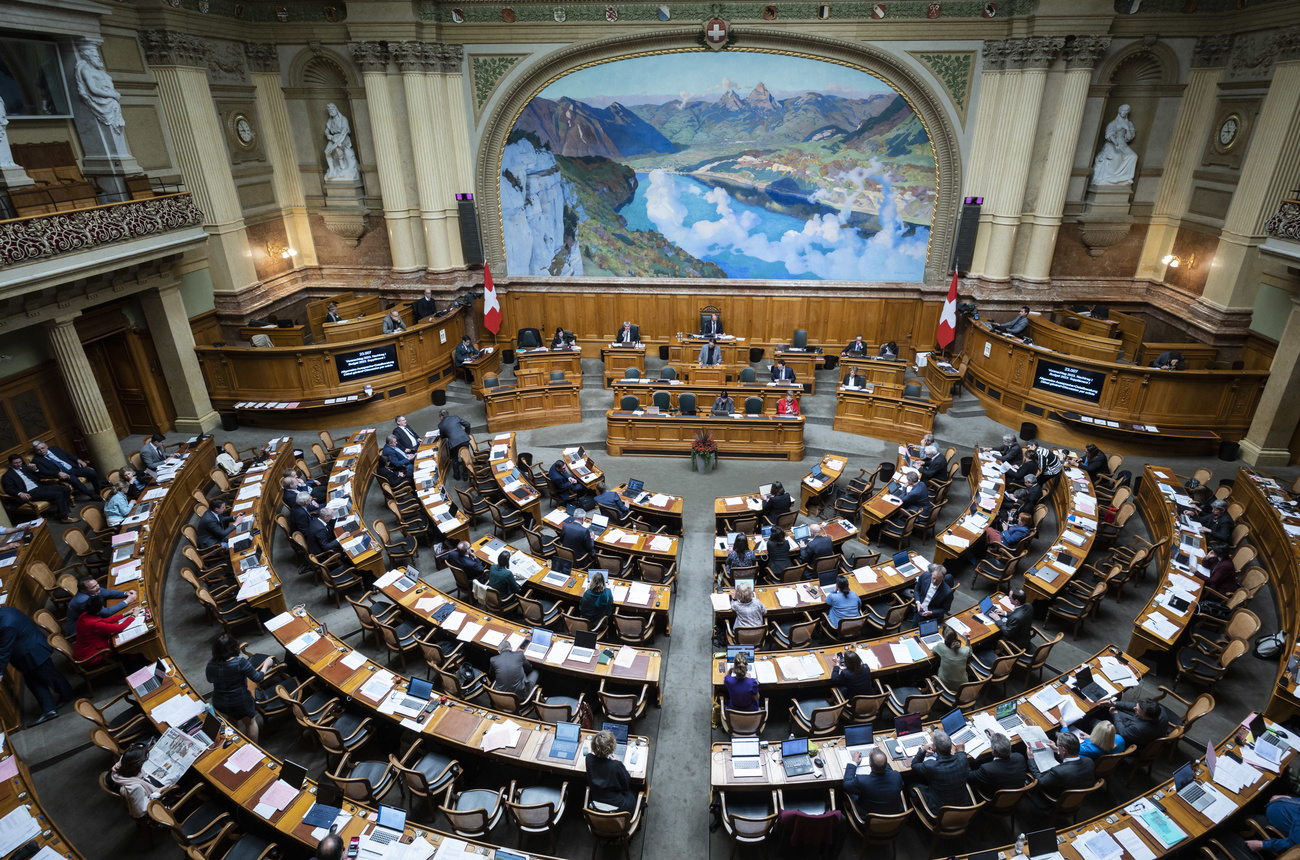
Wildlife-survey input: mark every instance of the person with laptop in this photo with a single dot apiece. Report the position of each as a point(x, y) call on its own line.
point(819, 545)
point(776, 502)
point(229, 672)
point(628, 334)
point(857, 349)
point(933, 595)
point(742, 690)
point(512, 673)
point(321, 541)
point(851, 676)
point(1140, 722)
point(842, 602)
point(879, 790)
point(778, 553)
point(954, 655)
point(935, 464)
point(1216, 523)
point(1074, 771)
point(788, 405)
point(215, 527)
point(853, 379)
point(612, 504)
point(749, 611)
point(724, 404)
point(608, 779)
point(502, 578)
point(740, 555)
point(781, 373)
point(942, 771)
point(1017, 626)
point(597, 602)
point(1009, 451)
point(569, 489)
point(1222, 575)
point(1006, 769)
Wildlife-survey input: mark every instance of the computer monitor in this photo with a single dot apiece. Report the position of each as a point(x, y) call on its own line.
point(908, 724)
point(293, 773)
point(1083, 677)
point(857, 736)
point(767, 532)
point(954, 721)
point(1184, 775)
point(793, 747)
point(328, 794)
point(584, 639)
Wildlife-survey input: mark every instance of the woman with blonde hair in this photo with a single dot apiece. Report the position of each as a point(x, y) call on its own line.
point(1102, 741)
point(749, 612)
point(611, 784)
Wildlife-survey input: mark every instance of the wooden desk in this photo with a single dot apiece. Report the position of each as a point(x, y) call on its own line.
point(875, 369)
point(1049, 335)
point(259, 499)
point(810, 489)
point(626, 540)
point(643, 390)
point(882, 504)
point(712, 375)
point(515, 486)
point(486, 363)
point(940, 377)
point(1003, 371)
point(988, 485)
point(751, 436)
point(536, 365)
point(657, 508)
point(370, 325)
point(838, 530)
point(1160, 513)
point(883, 415)
point(512, 407)
point(18, 791)
point(687, 349)
point(1097, 328)
point(432, 465)
point(620, 358)
point(1197, 355)
point(870, 582)
point(804, 363)
point(1074, 503)
point(295, 335)
point(351, 474)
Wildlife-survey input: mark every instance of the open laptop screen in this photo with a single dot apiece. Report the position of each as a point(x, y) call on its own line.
point(798, 746)
point(856, 736)
point(909, 724)
point(954, 721)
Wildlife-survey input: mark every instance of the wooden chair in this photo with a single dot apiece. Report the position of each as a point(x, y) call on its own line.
point(901, 701)
point(504, 521)
point(1003, 803)
point(369, 612)
point(125, 726)
point(473, 813)
point(743, 724)
point(877, 829)
point(367, 782)
point(613, 828)
point(511, 702)
point(401, 639)
point(637, 631)
point(85, 668)
point(1068, 804)
point(748, 823)
point(1076, 604)
point(794, 633)
point(1007, 656)
point(657, 573)
point(1193, 709)
point(1206, 669)
point(623, 708)
point(816, 717)
point(861, 710)
point(946, 822)
point(399, 552)
point(1036, 659)
point(536, 810)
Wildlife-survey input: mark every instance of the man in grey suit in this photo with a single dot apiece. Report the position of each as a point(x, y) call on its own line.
point(943, 775)
point(153, 454)
point(1018, 325)
point(710, 354)
point(512, 673)
point(393, 322)
point(1074, 771)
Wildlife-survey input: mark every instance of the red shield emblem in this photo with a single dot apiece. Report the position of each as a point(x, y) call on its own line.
point(611, 14)
point(715, 31)
point(933, 10)
point(990, 10)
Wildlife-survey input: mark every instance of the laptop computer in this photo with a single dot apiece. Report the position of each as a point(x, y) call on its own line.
point(902, 562)
point(292, 774)
point(765, 490)
point(1191, 791)
point(795, 757)
point(800, 533)
point(565, 745)
point(418, 694)
point(584, 646)
point(745, 759)
point(986, 605)
point(954, 723)
point(1008, 717)
point(908, 737)
point(766, 531)
point(634, 488)
point(619, 731)
point(598, 524)
point(731, 538)
point(1086, 687)
point(734, 650)
point(858, 739)
point(539, 644)
point(826, 579)
point(391, 825)
point(154, 681)
point(929, 632)
point(1041, 842)
point(818, 473)
point(328, 805)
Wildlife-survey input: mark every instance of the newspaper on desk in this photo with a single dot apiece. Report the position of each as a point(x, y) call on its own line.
point(172, 754)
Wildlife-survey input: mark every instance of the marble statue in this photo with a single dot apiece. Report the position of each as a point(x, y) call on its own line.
point(1117, 162)
point(339, 156)
point(6, 155)
point(96, 88)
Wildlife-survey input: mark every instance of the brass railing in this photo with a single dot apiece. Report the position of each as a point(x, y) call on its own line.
point(23, 240)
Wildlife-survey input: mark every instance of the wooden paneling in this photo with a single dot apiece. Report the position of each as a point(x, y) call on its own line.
point(1198, 355)
point(519, 408)
point(1131, 331)
point(883, 415)
point(1048, 334)
point(750, 437)
point(205, 328)
point(1257, 352)
point(34, 404)
point(763, 318)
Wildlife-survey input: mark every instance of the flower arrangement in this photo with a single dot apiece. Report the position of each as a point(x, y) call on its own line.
point(705, 448)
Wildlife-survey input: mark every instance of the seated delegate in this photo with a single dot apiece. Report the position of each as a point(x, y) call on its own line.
point(723, 405)
point(781, 373)
point(393, 322)
point(710, 354)
point(788, 405)
point(628, 334)
point(711, 327)
point(857, 349)
point(1017, 326)
point(878, 791)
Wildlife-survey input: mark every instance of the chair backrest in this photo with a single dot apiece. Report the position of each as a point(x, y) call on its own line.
point(686, 403)
point(653, 572)
point(1042, 652)
point(1108, 762)
point(800, 338)
point(1242, 625)
point(528, 338)
point(749, 635)
point(801, 635)
point(504, 700)
point(863, 710)
point(631, 373)
point(912, 389)
point(1005, 800)
point(1070, 801)
point(662, 399)
point(629, 403)
point(617, 705)
point(753, 405)
point(1253, 580)
point(631, 626)
point(952, 821)
point(667, 372)
point(1234, 649)
point(1243, 556)
point(747, 374)
point(327, 440)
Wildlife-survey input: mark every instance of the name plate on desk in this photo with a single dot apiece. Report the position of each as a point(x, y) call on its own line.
point(366, 362)
point(1069, 381)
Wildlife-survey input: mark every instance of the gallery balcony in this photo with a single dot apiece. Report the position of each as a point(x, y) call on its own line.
point(64, 240)
point(1284, 230)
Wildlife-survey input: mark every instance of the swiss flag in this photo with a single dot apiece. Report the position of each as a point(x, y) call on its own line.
point(492, 307)
point(948, 319)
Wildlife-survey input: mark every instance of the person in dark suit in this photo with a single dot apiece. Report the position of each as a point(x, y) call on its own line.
point(566, 484)
point(1074, 771)
point(879, 790)
point(467, 561)
point(57, 463)
point(465, 351)
point(851, 676)
point(818, 546)
point(628, 333)
point(888, 350)
point(320, 535)
point(153, 454)
point(607, 778)
point(424, 307)
point(781, 373)
point(1141, 722)
point(1171, 360)
point(332, 313)
point(1006, 769)
point(935, 467)
point(1025, 499)
point(407, 439)
point(1009, 452)
point(857, 349)
point(23, 644)
point(512, 673)
point(942, 772)
point(23, 482)
point(397, 458)
point(455, 432)
point(710, 354)
point(853, 379)
point(711, 327)
point(300, 513)
point(577, 538)
point(1028, 466)
point(917, 496)
point(777, 503)
point(1017, 626)
point(1216, 523)
point(1017, 326)
point(933, 595)
point(611, 499)
point(1095, 462)
point(215, 527)
point(778, 554)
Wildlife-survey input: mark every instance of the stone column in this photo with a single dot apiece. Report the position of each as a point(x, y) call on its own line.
point(97, 113)
point(416, 60)
point(83, 390)
point(457, 134)
point(988, 119)
point(1195, 113)
point(277, 134)
point(1268, 440)
point(178, 62)
point(1080, 55)
point(164, 311)
point(448, 170)
point(1021, 103)
point(372, 59)
point(1271, 169)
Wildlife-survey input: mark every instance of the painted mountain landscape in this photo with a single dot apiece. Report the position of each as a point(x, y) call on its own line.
point(728, 165)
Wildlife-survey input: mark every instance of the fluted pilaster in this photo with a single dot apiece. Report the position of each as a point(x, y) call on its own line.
point(416, 60)
point(1005, 202)
point(1268, 440)
point(273, 115)
point(83, 390)
point(169, 326)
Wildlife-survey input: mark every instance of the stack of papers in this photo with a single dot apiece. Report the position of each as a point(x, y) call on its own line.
point(16, 828)
point(1233, 775)
point(661, 543)
point(787, 597)
point(1160, 625)
point(502, 735)
point(765, 672)
point(640, 594)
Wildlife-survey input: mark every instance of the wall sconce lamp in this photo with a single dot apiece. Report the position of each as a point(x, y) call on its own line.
point(282, 251)
point(1174, 262)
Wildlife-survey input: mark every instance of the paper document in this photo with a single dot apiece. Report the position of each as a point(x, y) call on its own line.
point(469, 631)
point(765, 672)
point(1133, 844)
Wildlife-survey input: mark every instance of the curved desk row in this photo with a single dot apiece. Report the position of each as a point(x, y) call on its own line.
point(643, 390)
point(625, 541)
point(883, 413)
point(402, 369)
point(838, 530)
point(988, 487)
point(519, 407)
point(260, 498)
point(1018, 383)
point(1158, 626)
point(1074, 503)
point(747, 436)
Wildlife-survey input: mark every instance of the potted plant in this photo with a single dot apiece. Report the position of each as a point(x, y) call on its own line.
point(704, 452)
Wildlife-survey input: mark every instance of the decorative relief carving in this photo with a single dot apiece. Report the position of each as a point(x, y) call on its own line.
point(170, 48)
point(1252, 57)
point(1211, 52)
point(486, 72)
point(262, 56)
point(453, 57)
point(1036, 52)
point(369, 56)
point(955, 70)
point(996, 52)
point(1083, 52)
point(27, 239)
point(430, 10)
point(1124, 399)
point(414, 56)
point(1020, 368)
point(1285, 223)
point(226, 63)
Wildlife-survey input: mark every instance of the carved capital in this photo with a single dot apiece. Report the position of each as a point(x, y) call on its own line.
point(452, 57)
point(996, 52)
point(1083, 52)
point(1287, 45)
point(1035, 52)
point(262, 56)
point(170, 48)
point(369, 56)
point(413, 56)
point(1211, 52)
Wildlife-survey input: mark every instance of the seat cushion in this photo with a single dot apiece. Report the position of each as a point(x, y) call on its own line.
point(347, 725)
point(987, 656)
point(563, 701)
point(434, 766)
point(538, 794)
point(901, 694)
point(371, 771)
point(248, 847)
point(749, 810)
point(200, 819)
point(478, 798)
point(807, 706)
point(405, 629)
point(316, 701)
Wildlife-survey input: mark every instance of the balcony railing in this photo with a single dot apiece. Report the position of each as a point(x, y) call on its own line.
point(1286, 223)
point(23, 240)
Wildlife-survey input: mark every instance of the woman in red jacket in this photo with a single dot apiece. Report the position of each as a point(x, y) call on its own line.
point(788, 405)
point(95, 634)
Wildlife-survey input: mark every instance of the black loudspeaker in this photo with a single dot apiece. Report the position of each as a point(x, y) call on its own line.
point(439, 397)
point(963, 247)
point(471, 245)
point(229, 421)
